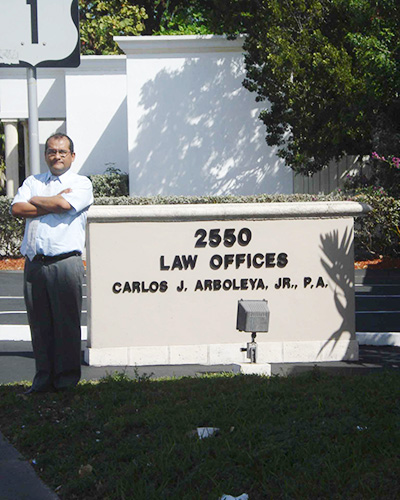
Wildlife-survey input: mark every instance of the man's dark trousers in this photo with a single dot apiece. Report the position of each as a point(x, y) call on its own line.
point(53, 298)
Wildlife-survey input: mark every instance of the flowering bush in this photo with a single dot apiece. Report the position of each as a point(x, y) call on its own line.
point(386, 173)
point(392, 161)
point(383, 177)
point(358, 182)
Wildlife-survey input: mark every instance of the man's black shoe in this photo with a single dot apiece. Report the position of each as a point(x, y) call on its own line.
point(29, 392)
point(25, 395)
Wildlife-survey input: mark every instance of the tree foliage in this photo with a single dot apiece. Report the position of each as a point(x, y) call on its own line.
point(101, 20)
point(174, 17)
point(329, 71)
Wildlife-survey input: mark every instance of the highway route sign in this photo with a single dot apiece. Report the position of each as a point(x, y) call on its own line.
point(39, 33)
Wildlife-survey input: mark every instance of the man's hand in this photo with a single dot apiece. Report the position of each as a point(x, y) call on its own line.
point(68, 190)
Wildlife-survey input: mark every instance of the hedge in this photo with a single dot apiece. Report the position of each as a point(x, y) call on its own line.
point(11, 230)
point(376, 235)
point(112, 183)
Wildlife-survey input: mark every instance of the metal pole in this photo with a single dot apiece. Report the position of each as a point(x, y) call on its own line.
point(33, 123)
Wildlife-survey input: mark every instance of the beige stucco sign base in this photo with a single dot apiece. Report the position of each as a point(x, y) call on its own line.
point(164, 282)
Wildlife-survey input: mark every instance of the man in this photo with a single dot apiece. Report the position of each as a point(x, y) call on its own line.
point(55, 206)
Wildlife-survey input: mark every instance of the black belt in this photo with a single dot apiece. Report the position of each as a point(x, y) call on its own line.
point(55, 258)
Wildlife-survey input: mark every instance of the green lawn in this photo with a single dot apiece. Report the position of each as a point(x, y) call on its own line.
point(311, 436)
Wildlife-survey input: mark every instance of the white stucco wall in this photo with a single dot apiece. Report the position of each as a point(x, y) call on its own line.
point(51, 102)
point(173, 113)
point(96, 113)
point(193, 128)
point(88, 103)
point(14, 93)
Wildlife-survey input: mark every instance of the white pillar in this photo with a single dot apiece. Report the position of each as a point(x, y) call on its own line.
point(11, 150)
point(26, 149)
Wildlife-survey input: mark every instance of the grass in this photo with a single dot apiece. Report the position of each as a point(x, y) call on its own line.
point(311, 436)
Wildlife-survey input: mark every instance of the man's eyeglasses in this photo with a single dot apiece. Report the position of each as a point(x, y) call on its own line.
point(62, 152)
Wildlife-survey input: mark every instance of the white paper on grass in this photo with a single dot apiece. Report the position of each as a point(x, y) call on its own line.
point(205, 432)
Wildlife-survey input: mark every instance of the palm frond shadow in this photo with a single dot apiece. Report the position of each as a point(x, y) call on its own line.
point(337, 253)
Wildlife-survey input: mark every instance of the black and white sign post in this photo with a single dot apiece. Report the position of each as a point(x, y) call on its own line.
point(35, 34)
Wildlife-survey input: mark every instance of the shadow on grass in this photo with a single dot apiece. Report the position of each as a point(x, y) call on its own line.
point(133, 438)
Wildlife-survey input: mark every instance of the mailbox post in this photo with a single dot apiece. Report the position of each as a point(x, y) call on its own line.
point(252, 316)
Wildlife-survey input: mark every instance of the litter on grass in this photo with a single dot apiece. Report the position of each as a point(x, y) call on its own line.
point(244, 496)
point(205, 432)
point(85, 470)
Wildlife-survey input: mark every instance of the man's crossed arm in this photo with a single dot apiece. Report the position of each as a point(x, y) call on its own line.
point(42, 205)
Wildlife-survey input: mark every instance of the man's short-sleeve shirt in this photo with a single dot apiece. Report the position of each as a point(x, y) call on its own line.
point(64, 232)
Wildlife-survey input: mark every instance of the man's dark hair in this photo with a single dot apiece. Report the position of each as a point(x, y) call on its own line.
point(61, 136)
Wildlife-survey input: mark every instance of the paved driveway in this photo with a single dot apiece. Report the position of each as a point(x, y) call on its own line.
point(13, 315)
point(377, 303)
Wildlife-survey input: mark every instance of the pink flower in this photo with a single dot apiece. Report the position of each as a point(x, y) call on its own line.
point(396, 162)
point(393, 161)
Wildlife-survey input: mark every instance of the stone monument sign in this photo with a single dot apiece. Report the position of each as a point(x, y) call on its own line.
point(164, 282)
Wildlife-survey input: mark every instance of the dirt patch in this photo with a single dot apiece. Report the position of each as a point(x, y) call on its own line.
point(15, 264)
point(382, 263)
point(11, 264)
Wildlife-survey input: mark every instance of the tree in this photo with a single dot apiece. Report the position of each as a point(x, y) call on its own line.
point(101, 20)
point(173, 17)
point(329, 70)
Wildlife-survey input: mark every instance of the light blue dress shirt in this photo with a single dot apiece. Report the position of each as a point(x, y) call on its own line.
point(54, 234)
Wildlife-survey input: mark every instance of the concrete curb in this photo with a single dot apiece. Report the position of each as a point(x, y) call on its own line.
point(22, 333)
point(18, 479)
point(382, 338)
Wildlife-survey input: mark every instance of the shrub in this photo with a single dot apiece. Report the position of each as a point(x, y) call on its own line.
point(195, 200)
point(112, 183)
point(11, 230)
point(376, 234)
point(381, 174)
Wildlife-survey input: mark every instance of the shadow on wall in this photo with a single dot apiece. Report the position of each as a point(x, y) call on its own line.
point(337, 253)
point(52, 105)
point(199, 133)
point(110, 150)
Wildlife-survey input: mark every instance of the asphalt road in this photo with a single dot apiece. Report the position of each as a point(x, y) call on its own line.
point(375, 295)
point(377, 300)
point(12, 305)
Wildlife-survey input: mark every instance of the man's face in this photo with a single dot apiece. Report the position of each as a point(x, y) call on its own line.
point(58, 155)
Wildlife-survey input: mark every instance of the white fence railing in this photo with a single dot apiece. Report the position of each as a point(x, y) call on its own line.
point(331, 177)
